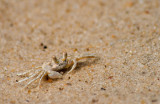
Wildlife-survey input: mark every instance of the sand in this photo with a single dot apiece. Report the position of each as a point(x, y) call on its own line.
point(124, 35)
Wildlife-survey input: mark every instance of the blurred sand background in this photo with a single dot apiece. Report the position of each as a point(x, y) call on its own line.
point(124, 34)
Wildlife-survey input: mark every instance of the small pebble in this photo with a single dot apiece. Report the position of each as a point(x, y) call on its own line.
point(68, 84)
point(27, 100)
point(154, 100)
point(94, 100)
point(45, 47)
point(61, 89)
point(103, 88)
point(110, 77)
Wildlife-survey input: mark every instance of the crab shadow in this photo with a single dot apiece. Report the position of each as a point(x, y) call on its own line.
point(81, 64)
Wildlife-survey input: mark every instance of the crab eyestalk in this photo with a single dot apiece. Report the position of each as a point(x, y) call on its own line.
point(64, 56)
point(54, 60)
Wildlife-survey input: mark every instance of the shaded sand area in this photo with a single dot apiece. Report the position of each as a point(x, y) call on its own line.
point(124, 34)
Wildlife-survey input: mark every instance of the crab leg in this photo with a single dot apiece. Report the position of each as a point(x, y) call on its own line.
point(41, 78)
point(74, 62)
point(33, 80)
point(28, 77)
point(74, 65)
point(85, 56)
point(20, 74)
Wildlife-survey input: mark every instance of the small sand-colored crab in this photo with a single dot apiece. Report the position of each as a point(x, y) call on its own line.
point(52, 68)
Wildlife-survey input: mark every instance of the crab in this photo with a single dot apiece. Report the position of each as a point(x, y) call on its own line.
point(52, 68)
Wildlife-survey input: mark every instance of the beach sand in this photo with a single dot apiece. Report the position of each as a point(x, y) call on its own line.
point(123, 34)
